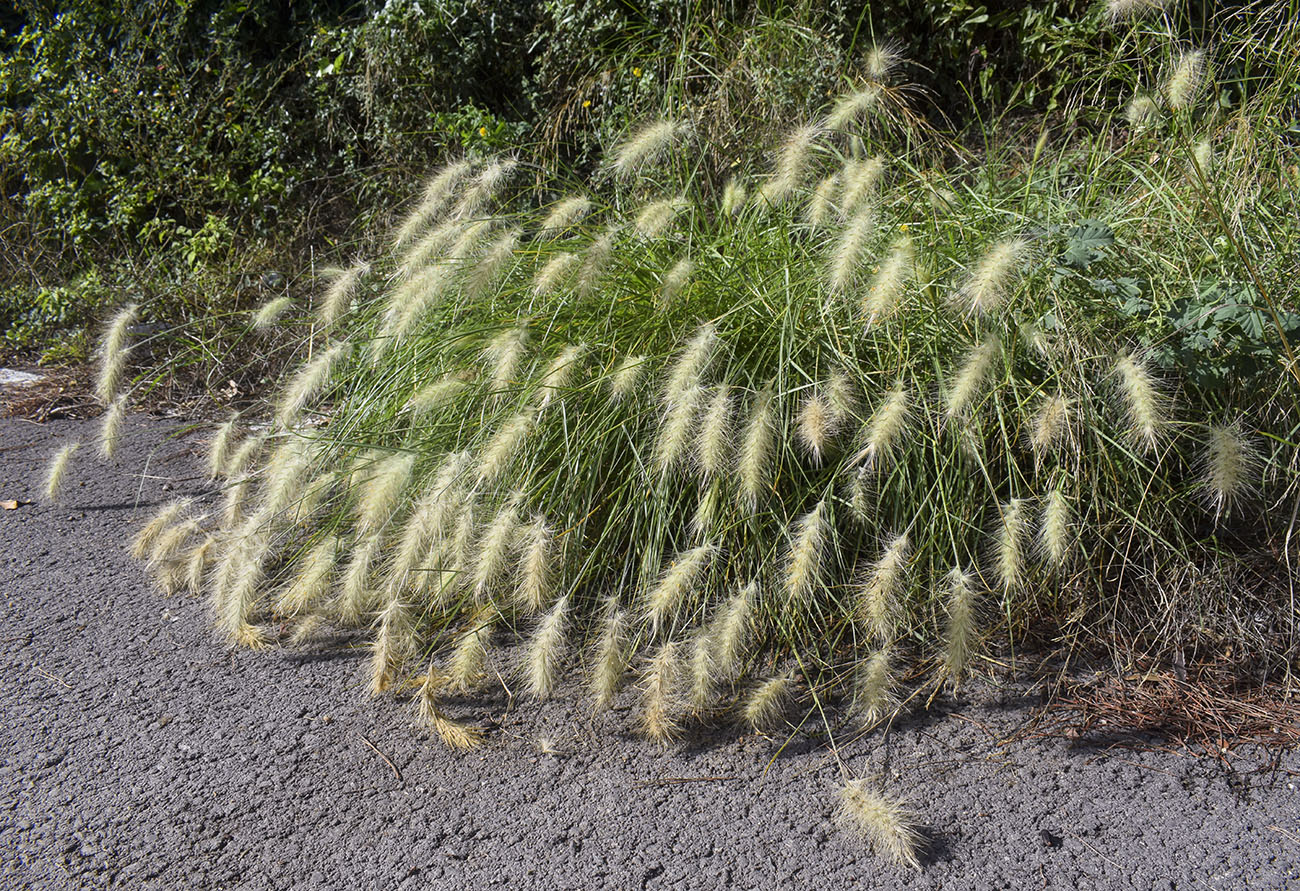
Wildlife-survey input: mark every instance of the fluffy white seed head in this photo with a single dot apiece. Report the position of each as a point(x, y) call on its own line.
point(57, 471)
point(645, 147)
point(1145, 405)
point(110, 429)
point(816, 426)
point(307, 382)
point(885, 293)
point(847, 259)
point(565, 213)
point(880, 600)
point(536, 581)
point(311, 586)
point(435, 396)
point(465, 669)
point(149, 534)
point(500, 453)
point(791, 164)
point(1056, 533)
point(660, 698)
point(691, 364)
point(1051, 427)
point(675, 281)
point(503, 355)
point(852, 107)
point(874, 687)
point(485, 187)
point(491, 565)
point(485, 273)
point(438, 191)
point(1142, 112)
point(560, 373)
point(611, 658)
point(219, 450)
point(596, 259)
point(271, 312)
point(732, 631)
point(381, 492)
point(757, 449)
point(883, 60)
point(678, 583)
point(1231, 467)
point(546, 650)
point(113, 352)
point(1120, 10)
point(1185, 81)
point(557, 273)
point(960, 634)
point(986, 288)
point(733, 197)
point(654, 217)
point(860, 177)
point(339, 292)
point(885, 822)
point(1008, 540)
point(803, 566)
point(626, 376)
point(765, 707)
point(714, 442)
point(821, 203)
point(964, 388)
point(886, 428)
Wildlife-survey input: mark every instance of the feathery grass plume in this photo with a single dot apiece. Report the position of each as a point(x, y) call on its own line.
point(874, 686)
point(58, 471)
point(675, 432)
point(675, 281)
point(791, 164)
point(1145, 405)
point(626, 376)
point(382, 491)
point(165, 553)
point(706, 511)
point(733, 197)
point(428, 521)
point(1231, 467)
point(715, 434)
point(565, 213)
point(1119, 10)
point(460, 554)
point(659, 696)
point(884, 295)
point(611, 658)
point(1142, 112)
point(556, 273)
point(546, 651)
point(1008, 555)
point(500, 452)
point(197, 563)
point(853, 106)
point(493, 559)
point(559, 374)
point(757, 449)
point(240, 572)
point(766, 706)
point(338, 295)
point(883, 60)
point(655, 217)
point(879, 603)
point(965, 386)
point(312, 583)
point(236, 497)
point(691, 364)
point(816, 426)
point(848, 250)
point(149, 534)
point(1056, 534)
point(702, 671)
point(270, 312)
point(110, 429)
point(821, 203)
point(485, 273)
point(1185, 81)
point(596, 259)
point(732, 632)
point(679, 580)
point(437, 194)
point(503, 355)
point(434, 396)
point(959, 637)
point(455, 734)
point(357, 595)
point(859, 495)
point(308, 380)
point(860, 180)
point(434, 248)
point(248, 450)
point(883, 821)
point(219, 451)
point(1203, 158)
point(410, 304)
point(469, 655)
point(113, 352)
point(536, 581)
point(986, 287)
point(842, 392)
point(885, 428)
point(467, 246)
point(803, 566)
point(485, 187)
point(391, 646)
point(646, 146)
point(1051, 425)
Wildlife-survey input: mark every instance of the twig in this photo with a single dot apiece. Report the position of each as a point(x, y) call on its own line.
point(397, 773)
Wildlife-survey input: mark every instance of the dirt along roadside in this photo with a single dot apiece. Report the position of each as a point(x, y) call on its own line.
point(139, 751)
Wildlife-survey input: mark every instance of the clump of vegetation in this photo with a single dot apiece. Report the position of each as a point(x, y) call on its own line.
point(851, 414)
